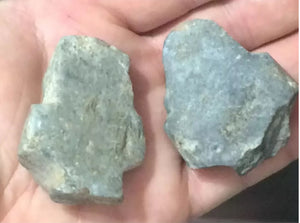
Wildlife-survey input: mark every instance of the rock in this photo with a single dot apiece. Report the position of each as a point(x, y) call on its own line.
point(225, 105)
point(86, 133)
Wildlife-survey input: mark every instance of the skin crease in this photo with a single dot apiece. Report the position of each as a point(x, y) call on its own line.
point(163, 189)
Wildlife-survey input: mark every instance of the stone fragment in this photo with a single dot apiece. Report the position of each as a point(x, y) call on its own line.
point(86, 132)
point(225, 105)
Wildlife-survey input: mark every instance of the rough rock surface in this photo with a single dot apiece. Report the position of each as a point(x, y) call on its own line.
point(86, 133)
point(225, 105)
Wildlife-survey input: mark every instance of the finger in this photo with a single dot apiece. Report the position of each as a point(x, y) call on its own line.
point(285, 52)
point(251, 23)
point(210, 187)
point(142, 16)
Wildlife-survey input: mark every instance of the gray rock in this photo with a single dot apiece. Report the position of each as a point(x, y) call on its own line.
point(225, 105)
point(86, 133)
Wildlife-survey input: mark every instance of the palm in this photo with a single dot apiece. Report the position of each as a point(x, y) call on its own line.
point(163, 189)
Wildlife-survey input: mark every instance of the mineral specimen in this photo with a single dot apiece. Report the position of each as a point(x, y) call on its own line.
point(86, 133)
point(225, 105)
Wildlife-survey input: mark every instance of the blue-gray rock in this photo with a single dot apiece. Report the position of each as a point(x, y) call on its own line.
point(225, 105)
point(86, 132)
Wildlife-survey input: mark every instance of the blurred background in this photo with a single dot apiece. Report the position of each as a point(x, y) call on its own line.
point(273, 200)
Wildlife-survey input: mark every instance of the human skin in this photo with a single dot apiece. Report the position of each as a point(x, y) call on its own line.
point(163, 188)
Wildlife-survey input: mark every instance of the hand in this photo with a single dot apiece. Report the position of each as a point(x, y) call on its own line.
point(163, 189)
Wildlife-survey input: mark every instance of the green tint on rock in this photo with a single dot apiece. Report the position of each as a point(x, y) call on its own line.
point(225, 105)
point(82, 137)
